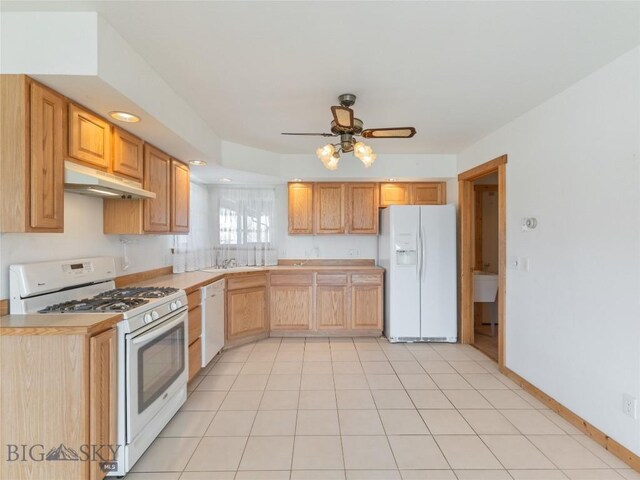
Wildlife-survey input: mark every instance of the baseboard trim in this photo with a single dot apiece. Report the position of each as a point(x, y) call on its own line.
point(623, 453)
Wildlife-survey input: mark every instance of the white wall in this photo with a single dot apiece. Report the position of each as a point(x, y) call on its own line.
point(82, 237)
point(572, 325)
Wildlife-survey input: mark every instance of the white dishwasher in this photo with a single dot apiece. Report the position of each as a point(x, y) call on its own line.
point(212, 320)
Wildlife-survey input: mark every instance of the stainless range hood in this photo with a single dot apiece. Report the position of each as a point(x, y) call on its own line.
point(89, 181)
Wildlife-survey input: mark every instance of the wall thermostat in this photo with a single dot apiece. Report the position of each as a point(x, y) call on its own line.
point(529, 224)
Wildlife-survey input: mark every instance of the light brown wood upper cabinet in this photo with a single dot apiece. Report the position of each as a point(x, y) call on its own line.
point(428, 193)
point(33, 134)
point(89, 138)
point(157, 178)
point(300, 208)
point(394, 194)
point(180, 189)
point(362, 208)
point(128, 154)
point(329, 208)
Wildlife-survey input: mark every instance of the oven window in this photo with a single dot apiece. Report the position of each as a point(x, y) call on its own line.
point(160, 362)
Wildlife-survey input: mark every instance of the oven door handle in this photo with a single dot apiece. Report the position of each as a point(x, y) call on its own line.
point(155, 332)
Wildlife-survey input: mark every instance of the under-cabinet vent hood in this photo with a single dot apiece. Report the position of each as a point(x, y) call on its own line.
point(89, 181)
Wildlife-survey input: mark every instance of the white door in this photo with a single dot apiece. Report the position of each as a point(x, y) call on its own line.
point(402, 282)
point(438, 296)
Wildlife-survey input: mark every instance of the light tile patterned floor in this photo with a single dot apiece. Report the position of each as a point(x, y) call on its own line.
point(363, 409)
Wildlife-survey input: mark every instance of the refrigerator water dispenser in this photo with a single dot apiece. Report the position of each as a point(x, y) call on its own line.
point(405, 246)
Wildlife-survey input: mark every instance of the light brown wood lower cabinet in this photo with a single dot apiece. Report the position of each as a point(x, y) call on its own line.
point(195, 357)
point(246, 308)
point(57, 389)
point(291, 307)
point(366, 307)
point(332, 302)
point(331, 307)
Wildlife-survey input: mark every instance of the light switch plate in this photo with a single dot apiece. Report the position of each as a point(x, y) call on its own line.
point(513, 263)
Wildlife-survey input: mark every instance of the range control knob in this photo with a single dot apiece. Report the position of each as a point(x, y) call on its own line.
point(147, 318)
point(155, 315)
point(173, 306)
point(178, 303)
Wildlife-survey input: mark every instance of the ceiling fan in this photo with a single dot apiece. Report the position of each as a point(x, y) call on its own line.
point(346, 126)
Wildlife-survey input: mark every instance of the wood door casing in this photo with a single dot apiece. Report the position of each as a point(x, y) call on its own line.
point(428, 193)
point(394, 194)
point(366, 307)
point(157, 178)
point(329, 208)
point(46, 159)
point(180, 188)
point(246, 312)
point(128, 154)
point(300, 208)
point(332, 307)
point(89, 138)
point(362, 208)
point(103, 403)
point(291, 307)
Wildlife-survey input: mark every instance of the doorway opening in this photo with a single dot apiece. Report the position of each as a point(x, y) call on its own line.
point(482, 257)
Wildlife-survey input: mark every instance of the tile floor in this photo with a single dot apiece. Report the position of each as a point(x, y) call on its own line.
point(363, 409)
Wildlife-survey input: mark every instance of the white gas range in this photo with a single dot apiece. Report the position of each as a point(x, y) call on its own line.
point(152, 339)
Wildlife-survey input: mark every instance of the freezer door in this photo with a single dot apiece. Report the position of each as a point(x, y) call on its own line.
point(402, 284)
point(438, 295)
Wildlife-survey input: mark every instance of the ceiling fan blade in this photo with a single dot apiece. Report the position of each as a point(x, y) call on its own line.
point(343, 116)
point(310, 134)
point(398, 132)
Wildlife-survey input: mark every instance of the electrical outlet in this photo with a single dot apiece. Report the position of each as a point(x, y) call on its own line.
point(353, 253)
point(513, 263)
point(629, 405)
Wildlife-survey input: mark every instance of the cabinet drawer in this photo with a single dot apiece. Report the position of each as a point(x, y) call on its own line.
point(193, 299)
point(195, 358)
point(292, 279)
point(247, 281)
point(366, 278)
point(195, 323)
point(331, 278)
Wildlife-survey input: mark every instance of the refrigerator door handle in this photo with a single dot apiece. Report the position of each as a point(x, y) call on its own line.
point(419, 265)
point(423, 249)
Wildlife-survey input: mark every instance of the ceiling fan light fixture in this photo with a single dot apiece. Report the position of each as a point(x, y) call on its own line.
point(332, 163)
point(324, 153)
point(360, 149)
point(368, 160)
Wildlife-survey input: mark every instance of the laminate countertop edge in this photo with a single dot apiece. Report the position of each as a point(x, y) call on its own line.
point(57, 324)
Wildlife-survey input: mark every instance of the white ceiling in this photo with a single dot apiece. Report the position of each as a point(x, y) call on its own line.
point(454, 70)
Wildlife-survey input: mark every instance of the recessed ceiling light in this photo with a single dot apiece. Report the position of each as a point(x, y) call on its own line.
point(124, 117)
point(198, 163)
point(225, 180)
point(296, 179)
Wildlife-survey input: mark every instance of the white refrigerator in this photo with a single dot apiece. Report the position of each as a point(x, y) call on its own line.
point(417, 248)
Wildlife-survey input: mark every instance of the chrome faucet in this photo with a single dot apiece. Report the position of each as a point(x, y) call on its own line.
point(229, 263)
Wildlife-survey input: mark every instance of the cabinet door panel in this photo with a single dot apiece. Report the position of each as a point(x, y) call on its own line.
point(47, 159)
point(291, 307)
point(329, 201)
point(366, 307)
point(89, 138)
point(331, 307)
point(179, 197)
point(428, 193)
point(128, 154)
point(363, 208)
point(300, 208)
point(246, 312)
point(394, 194)
point(103, 406)
point(195, 358)
point(157, 178)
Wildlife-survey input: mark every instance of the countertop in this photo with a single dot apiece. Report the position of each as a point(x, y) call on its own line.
point(190, 281)
point(91, 323)
point(57, 323)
